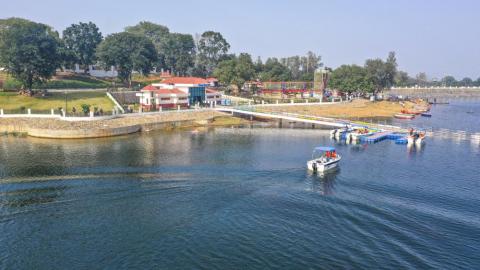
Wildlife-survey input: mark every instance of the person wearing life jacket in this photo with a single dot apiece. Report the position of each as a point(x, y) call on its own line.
point(334, 154)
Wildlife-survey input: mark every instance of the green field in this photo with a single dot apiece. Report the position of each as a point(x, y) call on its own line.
point(12, 102)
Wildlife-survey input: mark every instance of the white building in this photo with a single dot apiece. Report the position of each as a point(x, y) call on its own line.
point(183, 91)
point(96, 71)
point(152, 98)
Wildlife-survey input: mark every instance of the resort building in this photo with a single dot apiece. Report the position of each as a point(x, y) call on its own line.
point(154, 98)
point(179, 91)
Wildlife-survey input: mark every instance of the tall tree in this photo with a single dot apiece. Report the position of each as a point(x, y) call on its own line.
point(82, 39)
point(157, 33)
point(381, 73)
point(376, 74)
point(236, 71)
point(477, 82)
point(294, 64)
point(466, 82)
point(179, 50)
point(350, 78)
point(212, 46)
point(28, 50)
point(310, 63)
point(273, 70)
point(421, 79)
point(402, 79)
point(127, 52)
point(449, 81)
point(391, 69)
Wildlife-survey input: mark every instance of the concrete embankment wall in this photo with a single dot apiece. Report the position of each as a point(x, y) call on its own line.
point(101, 129)
point(100, 132)
point(82, 133)
point(441, 92)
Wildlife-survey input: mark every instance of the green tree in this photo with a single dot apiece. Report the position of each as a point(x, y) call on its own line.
point(82, 39)
point(449, 81)
point(294, 64)
point(381, 73)
point(402, 79)
point(391, 69)
point(421, 79)
point(179, 52)
point(466, 82)
point(477, 82)
point(212, 46)
point(68, 59)
point(350, 78)
point(157, 33)
point(127, 52)
point(273, 70)
point(236, 71)
point(310, 63)
point(28, 50)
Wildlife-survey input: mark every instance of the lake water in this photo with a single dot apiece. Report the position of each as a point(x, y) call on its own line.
point(239, 198)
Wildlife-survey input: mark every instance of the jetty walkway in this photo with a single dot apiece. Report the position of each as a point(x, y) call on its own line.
point(255, 111)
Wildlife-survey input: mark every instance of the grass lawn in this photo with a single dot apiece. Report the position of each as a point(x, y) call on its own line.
point(74, 81)
point(12, 102)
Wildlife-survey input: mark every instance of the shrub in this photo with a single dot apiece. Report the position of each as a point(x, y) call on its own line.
point(85, 108)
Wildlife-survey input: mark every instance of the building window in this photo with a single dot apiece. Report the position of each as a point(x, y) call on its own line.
point(165, 98)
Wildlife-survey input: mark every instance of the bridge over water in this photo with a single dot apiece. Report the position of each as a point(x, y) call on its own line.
point(254, 111)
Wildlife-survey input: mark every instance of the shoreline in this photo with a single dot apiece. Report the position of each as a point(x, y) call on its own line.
point(59, 128)
point(63, 129)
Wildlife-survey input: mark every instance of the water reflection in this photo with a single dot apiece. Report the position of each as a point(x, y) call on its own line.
point(323, 182)
point(31, 196)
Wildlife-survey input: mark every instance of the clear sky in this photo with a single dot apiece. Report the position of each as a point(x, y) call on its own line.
point(437, 37)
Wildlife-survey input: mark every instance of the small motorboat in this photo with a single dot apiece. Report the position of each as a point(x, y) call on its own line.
point(404, 116)
point(420, 139)
point(323, 159)
point(358, 132)
point(338, 133)
point(416, 137)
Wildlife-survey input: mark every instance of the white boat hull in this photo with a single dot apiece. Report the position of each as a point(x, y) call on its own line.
point(419, 141)
point(317, 166)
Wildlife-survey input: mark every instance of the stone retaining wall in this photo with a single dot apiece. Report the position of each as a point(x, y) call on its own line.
point(54, 128)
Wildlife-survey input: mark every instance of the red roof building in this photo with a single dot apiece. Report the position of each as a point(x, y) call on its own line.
point(155, 97)
point(190, 81)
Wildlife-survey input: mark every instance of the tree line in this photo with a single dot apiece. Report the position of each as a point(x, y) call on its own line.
point(31, 52)
point(421, 80)
point(374, 76)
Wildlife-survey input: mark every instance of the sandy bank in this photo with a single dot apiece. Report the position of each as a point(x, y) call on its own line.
point(353, 110)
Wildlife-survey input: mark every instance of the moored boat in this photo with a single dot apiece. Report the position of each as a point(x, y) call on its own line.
point(323, 159)
point(404, 116)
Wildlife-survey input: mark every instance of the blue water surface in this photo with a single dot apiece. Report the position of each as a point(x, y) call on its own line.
point(237, 198)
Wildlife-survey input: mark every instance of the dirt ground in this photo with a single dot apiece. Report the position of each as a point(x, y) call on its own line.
point(353, 110)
